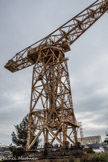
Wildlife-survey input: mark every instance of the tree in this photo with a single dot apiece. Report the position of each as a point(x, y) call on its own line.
point(16, 151)
point(20, 137)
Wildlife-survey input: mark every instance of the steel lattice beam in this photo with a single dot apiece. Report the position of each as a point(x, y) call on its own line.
point(62, 37)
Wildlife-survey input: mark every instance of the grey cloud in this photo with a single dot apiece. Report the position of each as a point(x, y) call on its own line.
point(25, 22)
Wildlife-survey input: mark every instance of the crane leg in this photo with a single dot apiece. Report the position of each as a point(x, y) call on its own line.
point(51, 108)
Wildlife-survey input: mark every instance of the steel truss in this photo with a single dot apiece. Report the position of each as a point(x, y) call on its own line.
point(51, 110)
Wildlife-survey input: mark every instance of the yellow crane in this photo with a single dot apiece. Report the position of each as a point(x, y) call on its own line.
point(51, 109)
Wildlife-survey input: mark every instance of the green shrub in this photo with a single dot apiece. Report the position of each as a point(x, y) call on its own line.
point(101, 157)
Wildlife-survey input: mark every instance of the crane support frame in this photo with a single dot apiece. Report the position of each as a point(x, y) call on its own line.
point(51, 90)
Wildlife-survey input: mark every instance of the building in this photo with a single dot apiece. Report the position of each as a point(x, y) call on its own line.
point(5, 152)
point(90, 140)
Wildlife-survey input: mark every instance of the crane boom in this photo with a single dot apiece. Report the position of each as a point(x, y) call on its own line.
point(62, 37)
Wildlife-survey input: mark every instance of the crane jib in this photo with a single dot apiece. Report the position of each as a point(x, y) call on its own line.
point(62, 37)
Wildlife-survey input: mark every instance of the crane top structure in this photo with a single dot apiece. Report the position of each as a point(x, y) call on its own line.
point(51, 109)
point(61, 38)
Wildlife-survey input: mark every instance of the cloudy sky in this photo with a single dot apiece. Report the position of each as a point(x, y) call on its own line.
point(23, 22)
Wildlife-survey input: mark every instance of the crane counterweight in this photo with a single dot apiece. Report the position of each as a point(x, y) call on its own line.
point(11, 66)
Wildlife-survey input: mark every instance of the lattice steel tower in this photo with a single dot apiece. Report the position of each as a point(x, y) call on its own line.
point(51, 110)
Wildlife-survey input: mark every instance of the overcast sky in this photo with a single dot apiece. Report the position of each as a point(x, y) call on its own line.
point(23, 22)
